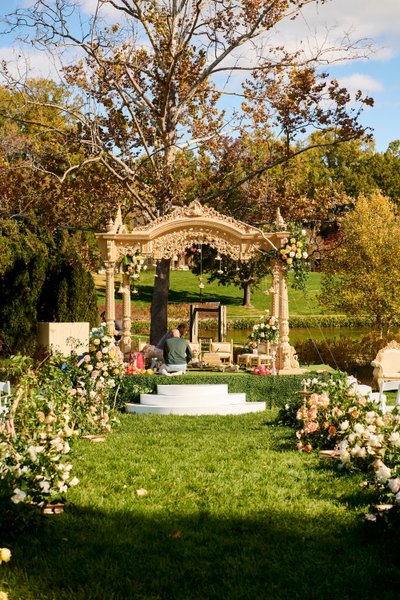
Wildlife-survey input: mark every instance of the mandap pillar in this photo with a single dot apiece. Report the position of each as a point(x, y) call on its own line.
point(126, 314)
point(110, 297)
point(275, 290)
point(286, 355)
point(283, 315)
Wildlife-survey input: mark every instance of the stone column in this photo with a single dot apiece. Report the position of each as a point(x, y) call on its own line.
point(126, 314)
point(110, 297)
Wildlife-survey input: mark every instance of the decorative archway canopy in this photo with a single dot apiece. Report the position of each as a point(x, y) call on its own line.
point(169, 235)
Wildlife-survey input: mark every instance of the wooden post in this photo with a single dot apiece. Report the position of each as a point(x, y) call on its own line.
point(223, 322)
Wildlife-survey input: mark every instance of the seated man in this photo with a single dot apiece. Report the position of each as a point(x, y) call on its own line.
point(177, 354)
point(182, 328)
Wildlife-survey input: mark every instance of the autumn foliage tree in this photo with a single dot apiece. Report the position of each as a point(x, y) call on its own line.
point(362, 270)
point(158, 78)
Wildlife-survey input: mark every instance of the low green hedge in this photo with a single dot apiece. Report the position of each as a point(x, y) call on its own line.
point(275, 391)
point(143, 327)
point(330, 321)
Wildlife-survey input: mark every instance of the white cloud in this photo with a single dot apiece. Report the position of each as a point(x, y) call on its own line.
point(91, 6)
point(361, 19)
point(360, 81)
point(30, 63)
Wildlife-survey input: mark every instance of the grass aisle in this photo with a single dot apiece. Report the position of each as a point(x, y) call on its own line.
point(232, 513)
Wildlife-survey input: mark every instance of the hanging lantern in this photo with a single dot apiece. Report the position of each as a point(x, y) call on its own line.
point(219, 258)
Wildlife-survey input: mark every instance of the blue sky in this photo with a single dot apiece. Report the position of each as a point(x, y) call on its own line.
point(379, 76)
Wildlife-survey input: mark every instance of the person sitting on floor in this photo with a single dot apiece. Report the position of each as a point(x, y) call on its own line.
point(177, 354)
point(182, 328)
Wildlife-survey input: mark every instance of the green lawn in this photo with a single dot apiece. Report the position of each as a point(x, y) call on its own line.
point(232, 512)
point(184, 289)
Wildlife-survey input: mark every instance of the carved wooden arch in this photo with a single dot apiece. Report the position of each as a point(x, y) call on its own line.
point(169, 235)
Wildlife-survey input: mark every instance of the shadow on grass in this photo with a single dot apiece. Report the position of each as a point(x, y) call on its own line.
point(94, 555)
point(189, 297)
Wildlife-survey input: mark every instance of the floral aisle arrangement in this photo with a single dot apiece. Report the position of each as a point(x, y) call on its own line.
point(35, 440)
point(266, 330)
point(334, 416)
point(50, 408)
point(294, 256)
point(96, 382)
point(325, 421)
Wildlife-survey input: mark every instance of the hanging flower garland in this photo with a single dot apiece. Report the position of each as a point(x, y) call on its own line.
point(294, 257)
point(131, 264)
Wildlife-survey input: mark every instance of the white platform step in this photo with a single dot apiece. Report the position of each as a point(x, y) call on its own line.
point(191, 399)
point(204, 400)
point(195, 391)
point(229, 409)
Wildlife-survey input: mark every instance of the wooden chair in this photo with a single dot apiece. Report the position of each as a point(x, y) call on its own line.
point(223, 349)
point(261, 356)
point(218, 353)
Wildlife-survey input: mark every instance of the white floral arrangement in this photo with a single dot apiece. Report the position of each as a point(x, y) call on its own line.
point(48, 411)
point(101, 370)
point(35, 443)
point(267, 330)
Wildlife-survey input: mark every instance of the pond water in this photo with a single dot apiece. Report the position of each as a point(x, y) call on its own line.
point(241, 336)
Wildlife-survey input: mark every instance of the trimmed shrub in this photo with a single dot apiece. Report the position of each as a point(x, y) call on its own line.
point(41, 279)
point(68, 293)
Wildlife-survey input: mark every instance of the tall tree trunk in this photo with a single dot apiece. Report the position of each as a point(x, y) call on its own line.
point(247, 294)
point(159, 303)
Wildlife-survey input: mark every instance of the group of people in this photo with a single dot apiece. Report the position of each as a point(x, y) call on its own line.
point(172, 351)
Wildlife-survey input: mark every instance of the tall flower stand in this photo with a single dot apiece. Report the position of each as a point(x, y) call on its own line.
point(273, 349)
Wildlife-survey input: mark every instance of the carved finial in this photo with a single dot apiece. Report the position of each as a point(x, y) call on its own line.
point(279, 222)
point(118, 220)
point(110, 225)
point(195, 209)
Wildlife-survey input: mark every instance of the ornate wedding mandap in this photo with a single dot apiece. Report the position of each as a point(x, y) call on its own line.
point(185, 226)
